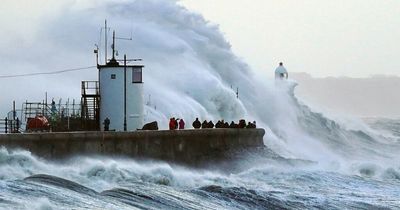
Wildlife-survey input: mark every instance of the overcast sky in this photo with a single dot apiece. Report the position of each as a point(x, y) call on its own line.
point(355, 38)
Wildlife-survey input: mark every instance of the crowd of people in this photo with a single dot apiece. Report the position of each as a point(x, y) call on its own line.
point(177, 123)
point(174, 124)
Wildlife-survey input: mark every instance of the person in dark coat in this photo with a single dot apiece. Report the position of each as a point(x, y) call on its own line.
point(181, 124)
point(250, 125)
point(218, 124)
point(242, 123)
point(196, 124)
point(226, 125)
point(210, 124)
point(176, 124)
point(106, 124)
point(204, 124)
point(233, 125)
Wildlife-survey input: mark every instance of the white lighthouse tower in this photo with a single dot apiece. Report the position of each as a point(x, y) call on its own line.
point(281, 72)
point(121, 94)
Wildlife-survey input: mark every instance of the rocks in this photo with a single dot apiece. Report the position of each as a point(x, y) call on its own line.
point(153, 126)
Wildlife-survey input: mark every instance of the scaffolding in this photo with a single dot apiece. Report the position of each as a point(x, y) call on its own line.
point(60, 109)
point(62, 115)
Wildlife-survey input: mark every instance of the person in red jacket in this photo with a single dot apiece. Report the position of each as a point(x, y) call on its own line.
point(172, 123)
point(181, 124)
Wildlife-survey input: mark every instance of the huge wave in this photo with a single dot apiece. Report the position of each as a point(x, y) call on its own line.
point(191, 69)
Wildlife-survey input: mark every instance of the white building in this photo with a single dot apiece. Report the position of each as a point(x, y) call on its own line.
point(121, 96)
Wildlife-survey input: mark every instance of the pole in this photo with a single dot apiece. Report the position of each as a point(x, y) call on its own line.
point(73, 107)
point(14, 112)
point(13, 119)
point(17, 129)
point(46, 98)
point(96, 51)
point(125, 127)
point(26, 110)
point(6, 125)
point(105, 42)
point(113, 46)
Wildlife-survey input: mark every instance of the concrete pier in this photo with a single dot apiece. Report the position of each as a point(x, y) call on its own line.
point(177, 146)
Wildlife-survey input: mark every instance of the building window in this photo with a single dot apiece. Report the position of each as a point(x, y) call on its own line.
point(113, 76)
point(137, 75)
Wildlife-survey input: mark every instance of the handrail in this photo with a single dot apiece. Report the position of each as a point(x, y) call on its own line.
point(10, 126)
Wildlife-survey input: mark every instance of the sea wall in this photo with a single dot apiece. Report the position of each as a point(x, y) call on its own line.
point(178, 145)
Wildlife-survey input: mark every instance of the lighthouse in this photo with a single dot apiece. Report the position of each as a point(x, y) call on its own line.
point(281, 72)
point(121, 94)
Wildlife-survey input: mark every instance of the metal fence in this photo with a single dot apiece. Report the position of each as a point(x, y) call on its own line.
point(10, 126)
point(4, 125)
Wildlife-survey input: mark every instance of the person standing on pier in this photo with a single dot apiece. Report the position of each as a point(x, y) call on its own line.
point(106, 124)
point(181, 124)
point(172, 123)
point(196, 124)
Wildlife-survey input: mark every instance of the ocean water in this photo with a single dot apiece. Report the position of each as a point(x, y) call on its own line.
point(312, 160)
point(271, 182)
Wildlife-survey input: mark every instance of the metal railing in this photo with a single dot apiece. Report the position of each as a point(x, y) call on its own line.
point(90, 88)
point(10, 126)
point(4, 125)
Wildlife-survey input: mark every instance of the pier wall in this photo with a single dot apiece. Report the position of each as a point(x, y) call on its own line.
point(177, 145)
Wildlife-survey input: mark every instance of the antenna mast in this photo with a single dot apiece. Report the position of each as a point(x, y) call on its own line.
point(105, 43)
point(113, 46)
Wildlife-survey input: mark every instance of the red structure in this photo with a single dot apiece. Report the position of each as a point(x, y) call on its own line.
point(39, 123)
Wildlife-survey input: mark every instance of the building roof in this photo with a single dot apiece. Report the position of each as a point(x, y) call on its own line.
point(115, 63)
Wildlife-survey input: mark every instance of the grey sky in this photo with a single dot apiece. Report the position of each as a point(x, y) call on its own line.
point(354, 38)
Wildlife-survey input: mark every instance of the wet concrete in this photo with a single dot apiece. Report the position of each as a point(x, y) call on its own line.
point(186, 146)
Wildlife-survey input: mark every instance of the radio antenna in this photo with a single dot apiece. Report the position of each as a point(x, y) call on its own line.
point(113, 46)
point(105, 42)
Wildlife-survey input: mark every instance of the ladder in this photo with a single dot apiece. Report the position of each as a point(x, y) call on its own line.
point(90, 102)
